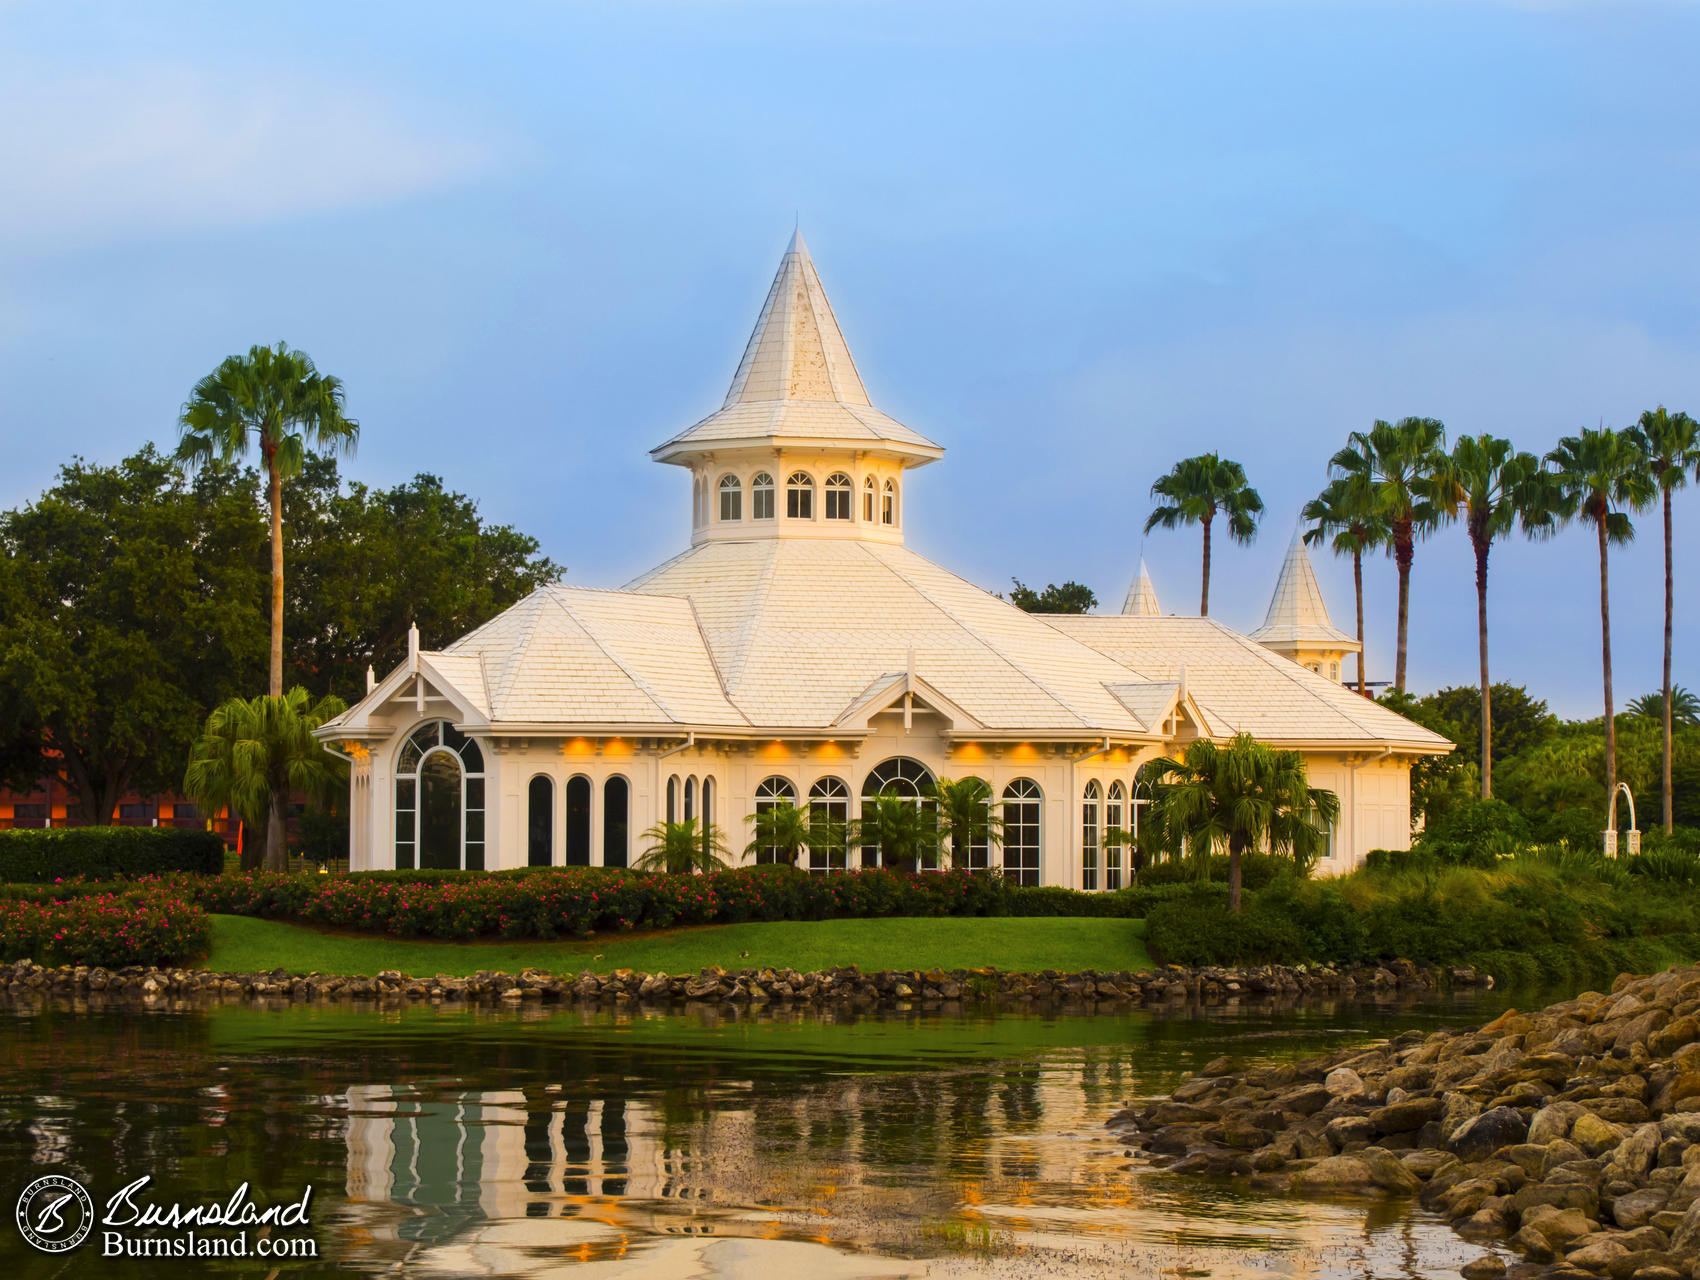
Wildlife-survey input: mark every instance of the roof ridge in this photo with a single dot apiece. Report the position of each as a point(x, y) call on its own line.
point(516, 656)
point(634, 677)
point(713, 662)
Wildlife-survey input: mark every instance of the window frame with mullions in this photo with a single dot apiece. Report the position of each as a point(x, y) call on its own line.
point(1018, 825)
point(799, 496)
point(439, 737)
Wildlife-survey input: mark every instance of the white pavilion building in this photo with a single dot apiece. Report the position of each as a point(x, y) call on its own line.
point(799, 651)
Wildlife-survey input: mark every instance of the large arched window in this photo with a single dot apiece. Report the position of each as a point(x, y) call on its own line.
point(1113, 819)
point(761, 497)
point(578, 821)
point(888, 504)
point(616, 817)
point(673, 798)
point(902, 777)
point(731, 498)
point(771, 793)
point(870, 491)
point(838, 496)
point(540, 822)
point(1021, 814)
point(800, 496)
point(977, 857)
point(1089, 836)
point(439, 800)
point(829, 802)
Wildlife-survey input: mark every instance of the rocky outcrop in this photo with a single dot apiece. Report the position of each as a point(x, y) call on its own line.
point(1570, 1136)
point(849, 986)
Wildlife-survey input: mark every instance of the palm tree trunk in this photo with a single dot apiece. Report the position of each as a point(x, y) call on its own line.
point(277, 852)
point(1404, 551)
point(1358, 589)
point(1204, 597)
point(275, 484)
point(1666, 780)
point(1482, 547)
point(1605, 666)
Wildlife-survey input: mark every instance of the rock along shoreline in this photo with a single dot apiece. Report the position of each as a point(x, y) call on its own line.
point(847, 986)
point(1569, 1136)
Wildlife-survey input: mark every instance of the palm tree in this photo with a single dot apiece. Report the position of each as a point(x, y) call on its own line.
point(680, 848)
point(1491, 488)
point(1347, 515)
point(1244, 795)
point(965, 816)
point(1673, 448)
point(1198, 489)
point(905, 832)
point(275, 396)
point(1597, 476)
point(254, 752)
point(1386, 470)
point(1683, 706)
point(787, 830)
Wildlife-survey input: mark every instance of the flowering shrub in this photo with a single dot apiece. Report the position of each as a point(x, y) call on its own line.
point(155, 924)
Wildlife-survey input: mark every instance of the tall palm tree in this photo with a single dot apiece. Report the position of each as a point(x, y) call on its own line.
point(1243, 795)
point(1490, 487)
point(787, 830)
point(254, 752)
point(1673, 449)
point(1348, 516)
point(1387, 469)
point(965, 816)
point(1197, 490)
point(905, 833)
point(276, 398)
point(680, 848)
point(1600, 476)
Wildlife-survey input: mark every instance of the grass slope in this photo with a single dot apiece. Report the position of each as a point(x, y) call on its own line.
point(1024, 944)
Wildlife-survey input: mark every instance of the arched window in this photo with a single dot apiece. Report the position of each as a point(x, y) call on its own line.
point(540, 822)
point(761, 497)
point(977, 857)
point(673, 798)
point(799, 496)
point(616, 810)
point(1113, 822)
point(1021, 812)
point(731, 499)
point(888, 504)
point(869, 490)
point(838, 496)
point(690, 798)
point(578, 821)
point(439, 800)
point(902, 777)
point(707, 807)
point(829, 802)
point(1089, 835)
point(770, 794)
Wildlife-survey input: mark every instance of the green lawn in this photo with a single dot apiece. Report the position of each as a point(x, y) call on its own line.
point(1021, 944)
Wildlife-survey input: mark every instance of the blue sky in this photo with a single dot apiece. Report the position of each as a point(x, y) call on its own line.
point(1070, 242)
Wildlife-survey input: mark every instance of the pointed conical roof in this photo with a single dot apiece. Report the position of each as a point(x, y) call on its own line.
point(1142, 596)
point(1297, 612)
point(798, 381)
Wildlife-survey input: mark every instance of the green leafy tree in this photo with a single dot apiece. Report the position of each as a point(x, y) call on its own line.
point(1388, 472)
point(786, 830)
point(1673, 450)
point(965, 816)
point(255, 752)
point(681, 848)
point(1245, 795)
point(905, 833)
point(1519, 720)
point(1197, 490)
point(1681, 705)
point(1347, 518)
point(129, 608)
point(273, 398)
point(1071, 597)
point(1600, 476)
point(1493, 489)
point(368, 563)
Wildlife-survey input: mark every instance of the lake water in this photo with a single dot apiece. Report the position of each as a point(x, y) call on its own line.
point(533, 1142)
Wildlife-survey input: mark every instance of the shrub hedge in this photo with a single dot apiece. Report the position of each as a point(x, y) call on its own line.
point(155, 924)
point(107, 853)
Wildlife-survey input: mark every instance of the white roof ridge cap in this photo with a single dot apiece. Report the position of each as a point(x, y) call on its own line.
point(713, 662)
